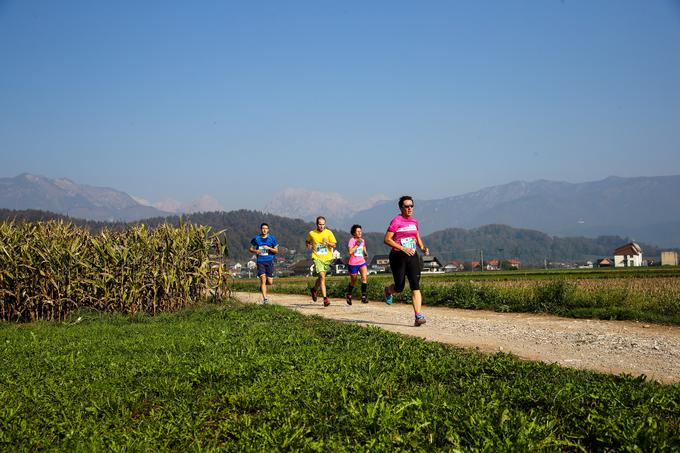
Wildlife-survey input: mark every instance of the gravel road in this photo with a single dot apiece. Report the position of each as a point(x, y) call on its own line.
point(605, 346)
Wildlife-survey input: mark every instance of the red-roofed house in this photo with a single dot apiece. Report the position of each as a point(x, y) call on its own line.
point(512, 263)
point(629, 255)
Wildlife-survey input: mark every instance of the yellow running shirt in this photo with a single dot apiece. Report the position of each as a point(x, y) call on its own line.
point(320, 251)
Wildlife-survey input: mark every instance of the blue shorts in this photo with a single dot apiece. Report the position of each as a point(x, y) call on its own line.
point(354, 270)
point(265, 268)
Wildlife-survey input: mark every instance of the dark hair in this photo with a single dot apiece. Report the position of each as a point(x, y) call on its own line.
point(354, 228)
point(319, 218)
point(264, 224)
point(403, 199)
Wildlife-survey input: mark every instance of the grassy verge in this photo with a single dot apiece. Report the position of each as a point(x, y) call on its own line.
point(265, 378)
point(641, 299)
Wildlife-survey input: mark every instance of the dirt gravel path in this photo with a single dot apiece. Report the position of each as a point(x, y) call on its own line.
point(605, 346)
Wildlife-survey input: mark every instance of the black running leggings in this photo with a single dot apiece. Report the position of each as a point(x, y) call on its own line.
point(404, 266)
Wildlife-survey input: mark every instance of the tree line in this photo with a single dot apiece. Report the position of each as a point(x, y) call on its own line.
point(493, 241)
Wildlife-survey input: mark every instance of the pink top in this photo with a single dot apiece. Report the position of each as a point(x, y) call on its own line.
point(405, 231)
point(357, 257)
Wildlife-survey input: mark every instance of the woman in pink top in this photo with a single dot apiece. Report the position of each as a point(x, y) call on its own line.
point(357, 264)
point(403, 236)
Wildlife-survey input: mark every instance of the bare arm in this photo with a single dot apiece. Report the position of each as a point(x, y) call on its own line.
point(425, 250)
point(329, 243)
point(356, 246)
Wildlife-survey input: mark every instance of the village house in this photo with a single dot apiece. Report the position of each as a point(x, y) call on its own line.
point(302, 267)
point(492, 265)
point(604, 262)
point(431, 264)
point(629, 255)
point(379, 263)
point(512, 264)
point(454, 266)
point(338, 267)
point(669, 258)
point(473, 266)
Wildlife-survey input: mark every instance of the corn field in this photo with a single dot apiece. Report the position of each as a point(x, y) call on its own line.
point(49, 269)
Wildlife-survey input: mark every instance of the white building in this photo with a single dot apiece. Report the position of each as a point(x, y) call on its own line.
point(629, 255)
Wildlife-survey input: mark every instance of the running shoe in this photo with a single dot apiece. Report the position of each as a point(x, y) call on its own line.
point(313, 291)
point(388, 295)
point(420, 320)
point(326, 302)
point(364, 299)
point(348, 298)
point(265, 301)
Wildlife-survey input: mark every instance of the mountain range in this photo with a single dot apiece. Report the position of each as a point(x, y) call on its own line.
point(66, 197)
point(644, 209)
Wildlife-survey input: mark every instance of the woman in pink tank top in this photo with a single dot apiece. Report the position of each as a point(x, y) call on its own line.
point(403, 236)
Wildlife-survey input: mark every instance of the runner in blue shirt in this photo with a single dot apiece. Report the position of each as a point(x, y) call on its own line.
point(265, 246)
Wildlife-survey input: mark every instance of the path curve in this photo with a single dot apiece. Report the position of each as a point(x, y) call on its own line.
point(606, 346)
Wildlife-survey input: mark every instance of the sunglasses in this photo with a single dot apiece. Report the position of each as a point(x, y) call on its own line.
point(407, 206)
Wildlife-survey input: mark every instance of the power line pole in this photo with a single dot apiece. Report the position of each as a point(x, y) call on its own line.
point(481, 259)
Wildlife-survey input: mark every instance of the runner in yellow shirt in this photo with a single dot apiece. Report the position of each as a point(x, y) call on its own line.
point(322, 243)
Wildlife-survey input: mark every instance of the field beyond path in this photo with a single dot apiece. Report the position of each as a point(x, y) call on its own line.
point(606, 346)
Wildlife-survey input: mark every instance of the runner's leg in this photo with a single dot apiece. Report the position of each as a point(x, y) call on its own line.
point(322, 282)
point(398, 266)
point(263, 285)
point(413, 275)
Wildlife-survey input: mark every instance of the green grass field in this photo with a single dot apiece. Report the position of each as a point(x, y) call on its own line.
point(264, 378)
point(649, 295)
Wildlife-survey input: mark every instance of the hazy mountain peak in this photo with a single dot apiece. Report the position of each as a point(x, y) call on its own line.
point(204, 203)
point(66, 184)
point(306, 204)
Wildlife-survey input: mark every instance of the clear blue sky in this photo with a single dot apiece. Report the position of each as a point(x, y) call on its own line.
point(241, 99)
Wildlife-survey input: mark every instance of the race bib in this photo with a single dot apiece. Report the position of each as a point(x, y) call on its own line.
point(321, 249)
point(409, 243)
point(359, 251)
point(263, 251)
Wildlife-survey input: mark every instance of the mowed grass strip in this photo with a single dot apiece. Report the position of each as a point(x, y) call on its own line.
point(265, 378)
point(626, 297)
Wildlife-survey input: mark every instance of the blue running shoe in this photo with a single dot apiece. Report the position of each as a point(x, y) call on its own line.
point(265, 301)
point(388, 296)
point(420, 320)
